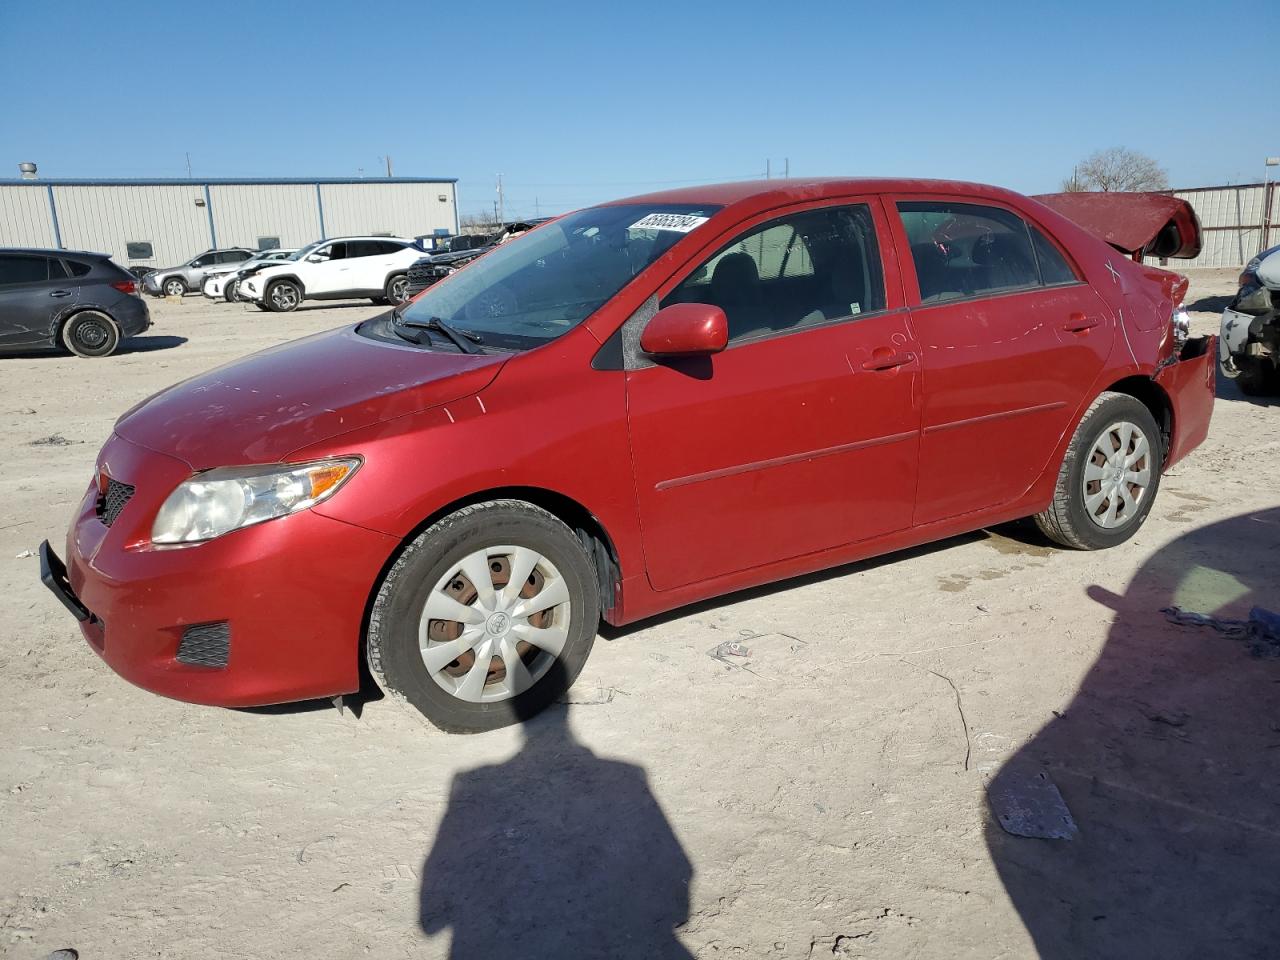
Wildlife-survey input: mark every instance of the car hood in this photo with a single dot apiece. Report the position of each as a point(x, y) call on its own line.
point(262, 408)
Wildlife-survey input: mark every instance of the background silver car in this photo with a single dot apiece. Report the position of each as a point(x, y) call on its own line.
point(175, 281)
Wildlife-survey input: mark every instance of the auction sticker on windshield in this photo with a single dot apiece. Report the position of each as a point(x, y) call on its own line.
point(680, 222)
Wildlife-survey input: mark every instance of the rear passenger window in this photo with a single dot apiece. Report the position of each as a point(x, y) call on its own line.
point(797, 271)
point(19, 269)
point(963, 250)
point(1053, 268)
point(77, 268)
point(56, 270)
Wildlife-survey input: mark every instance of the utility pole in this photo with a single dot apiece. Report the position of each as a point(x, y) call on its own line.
point(786, 168)
point(501, 202)
point(768, 169)
point(188, 166)
point(388, 165)
point(537, 211)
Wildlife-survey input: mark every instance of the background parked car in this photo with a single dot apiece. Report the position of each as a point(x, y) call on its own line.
point(1249, 348)
point(460, 251)
point(79, 300)
point(175, 281)
point(336, 269)
point(221, 282)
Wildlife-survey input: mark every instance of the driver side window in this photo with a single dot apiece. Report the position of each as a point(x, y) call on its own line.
point(797, 271)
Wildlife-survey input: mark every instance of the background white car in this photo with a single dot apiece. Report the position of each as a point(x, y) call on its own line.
point(220, 284)
point(337, 269)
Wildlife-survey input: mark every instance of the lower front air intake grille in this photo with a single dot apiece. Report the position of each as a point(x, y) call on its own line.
point(112, 500)
point(206, 645)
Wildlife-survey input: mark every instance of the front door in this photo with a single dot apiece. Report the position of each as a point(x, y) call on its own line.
point(802, 434)
point(1012, 340)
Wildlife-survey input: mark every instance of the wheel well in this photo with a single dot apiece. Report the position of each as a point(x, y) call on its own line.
point(84, 308)
point(288, 276)
point(1152, 396)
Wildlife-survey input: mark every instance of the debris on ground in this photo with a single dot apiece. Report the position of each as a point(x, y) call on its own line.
point(1261, 631)
point(23, 555)
point(53, 440)
point(730, 648)
point(1029, 805)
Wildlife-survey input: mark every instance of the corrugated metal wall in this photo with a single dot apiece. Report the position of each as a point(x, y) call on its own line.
point(176, 219)
point(25, 219)
point(106, 219)
point(403, 209)
point(1231, 220)
point(242, 213)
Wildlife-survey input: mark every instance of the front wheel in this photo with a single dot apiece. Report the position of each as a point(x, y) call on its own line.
point(91, 333)
point(283, 296)
point(174, 287)
point(397, 289)
point(1109, 476)
point(486, 618)
point(229, 291)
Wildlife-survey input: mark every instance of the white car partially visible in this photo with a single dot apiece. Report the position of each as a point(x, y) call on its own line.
point(338, 269)
point(221, 284)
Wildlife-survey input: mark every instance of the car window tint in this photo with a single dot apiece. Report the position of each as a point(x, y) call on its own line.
point(1053, 267)
point(233, 256)
point(389, 246)
point(335, 251)
point(77, 268)
point(967, 250)
point(796, 271)
point(363, 248)
point(56, 270)
point(203, 260)
point(19, 269)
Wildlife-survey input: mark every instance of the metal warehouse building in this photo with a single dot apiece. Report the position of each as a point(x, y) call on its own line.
point(159, 223)
point(1236, 222)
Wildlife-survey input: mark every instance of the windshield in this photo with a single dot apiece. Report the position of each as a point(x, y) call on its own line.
point(298, 255)
point(540, 286)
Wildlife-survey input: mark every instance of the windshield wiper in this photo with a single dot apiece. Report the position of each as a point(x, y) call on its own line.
point(464, 340)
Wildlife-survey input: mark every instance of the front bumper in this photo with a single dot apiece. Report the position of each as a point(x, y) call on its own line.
point(1190, 383)
point(290, 592)
point(213, 287)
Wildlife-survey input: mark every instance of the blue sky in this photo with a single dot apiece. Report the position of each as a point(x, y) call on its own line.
point(579, 102)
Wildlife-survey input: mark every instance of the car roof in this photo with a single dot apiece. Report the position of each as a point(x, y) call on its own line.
point(768, 193)
point(361, 237)
point(50, 252)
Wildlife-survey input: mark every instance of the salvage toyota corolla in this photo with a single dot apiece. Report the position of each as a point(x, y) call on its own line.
point(639, 405)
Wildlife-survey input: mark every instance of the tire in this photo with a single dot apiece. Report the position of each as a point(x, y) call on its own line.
point(261, 306)
point(91, 333)
point(1125, 423)
point(174, 287)
point(379, 301)
point(283, 296)
point(1257, 378)
point(432, 565)
point(229, 291)
point(397, 289)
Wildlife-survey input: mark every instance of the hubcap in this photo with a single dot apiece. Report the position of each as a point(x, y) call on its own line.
point(92, 334)
point(284, 296)
point(398, 290)
point(1117, 475)
point(493, 626)
point(173, 288)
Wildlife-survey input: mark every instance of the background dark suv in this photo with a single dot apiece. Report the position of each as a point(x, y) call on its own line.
point(80, 300)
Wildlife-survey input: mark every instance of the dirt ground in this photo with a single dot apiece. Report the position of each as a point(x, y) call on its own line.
point(825, 797)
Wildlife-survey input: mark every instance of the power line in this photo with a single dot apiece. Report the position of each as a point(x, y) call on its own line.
point(639, 183)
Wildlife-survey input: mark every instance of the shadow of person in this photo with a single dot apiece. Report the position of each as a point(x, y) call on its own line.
point(1167, 759)
point(556, 853)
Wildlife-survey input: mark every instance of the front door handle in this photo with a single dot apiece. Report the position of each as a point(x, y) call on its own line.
point(60, 293)
point(888, 361)
point(1078, 323)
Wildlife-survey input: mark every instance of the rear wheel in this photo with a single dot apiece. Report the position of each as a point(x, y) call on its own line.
point(283, 296)
point(91, 333)
point(1109, 476)
point(1257, 377)
point(174, 287)
point(486, 618)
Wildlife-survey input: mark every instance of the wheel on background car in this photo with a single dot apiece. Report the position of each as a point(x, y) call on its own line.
point(397, 289)
point(229, 291)
point(260, 305)
point(486, 617)
point(283, 296)
point(91, 333)
point(174, 287)
point(1257, 378)
point(379, 301)
point(1109, 476)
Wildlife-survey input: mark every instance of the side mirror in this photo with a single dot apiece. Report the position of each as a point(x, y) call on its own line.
point(316, 258)
point(686, 329)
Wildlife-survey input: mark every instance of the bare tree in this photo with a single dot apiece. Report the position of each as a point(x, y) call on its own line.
point(1117, 169)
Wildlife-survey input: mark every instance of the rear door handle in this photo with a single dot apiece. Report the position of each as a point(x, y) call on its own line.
point(60, 293)
point(1078, 323)
point(888, 361)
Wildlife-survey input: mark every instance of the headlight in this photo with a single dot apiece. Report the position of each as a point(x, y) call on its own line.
point(219, 501)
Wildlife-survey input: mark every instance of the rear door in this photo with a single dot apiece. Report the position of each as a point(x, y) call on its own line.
point(1012, 339)
point(802, 434)
point(29, 298)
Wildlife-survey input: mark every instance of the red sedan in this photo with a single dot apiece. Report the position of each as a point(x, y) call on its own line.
point(640, 405)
